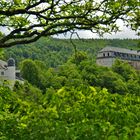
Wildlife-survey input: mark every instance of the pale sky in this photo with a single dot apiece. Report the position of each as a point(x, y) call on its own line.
point(125, 33)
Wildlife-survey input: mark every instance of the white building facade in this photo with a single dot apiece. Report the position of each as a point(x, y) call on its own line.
point(108, 55)
point(8, 70)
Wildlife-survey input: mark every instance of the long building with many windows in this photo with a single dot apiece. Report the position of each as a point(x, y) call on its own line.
point(108, 55)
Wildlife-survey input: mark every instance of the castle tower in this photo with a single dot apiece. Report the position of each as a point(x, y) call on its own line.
point(10, 72)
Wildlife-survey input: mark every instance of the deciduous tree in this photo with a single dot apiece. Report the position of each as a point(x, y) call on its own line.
point(28, 20)
point(30, 72)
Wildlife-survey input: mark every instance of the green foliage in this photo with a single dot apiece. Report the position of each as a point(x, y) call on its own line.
point(116, 79)
point(29, 20)
point(76, 100)
point(1, 54)
point(78, 57)
point(69, 113)
point(113, 82)
point(54, 52)
point(30, 72)
point(125, 70)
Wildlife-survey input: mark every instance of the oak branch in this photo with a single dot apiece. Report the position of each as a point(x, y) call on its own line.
point(28, 20)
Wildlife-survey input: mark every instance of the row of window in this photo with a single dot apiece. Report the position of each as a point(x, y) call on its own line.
point(123, 55)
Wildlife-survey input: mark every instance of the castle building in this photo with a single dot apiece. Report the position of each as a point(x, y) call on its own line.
point(8, 70)
point(108, 55)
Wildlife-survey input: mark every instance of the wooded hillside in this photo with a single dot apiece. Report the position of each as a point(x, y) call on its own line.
point(54, 52)
point(66, 96)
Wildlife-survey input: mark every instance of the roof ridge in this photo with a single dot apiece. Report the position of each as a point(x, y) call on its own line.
point(121, 50)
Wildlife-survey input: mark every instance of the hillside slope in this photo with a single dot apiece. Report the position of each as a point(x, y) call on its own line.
point(54, 52)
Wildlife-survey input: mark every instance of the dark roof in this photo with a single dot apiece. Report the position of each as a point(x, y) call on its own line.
point(121, 50)
point(11, 62)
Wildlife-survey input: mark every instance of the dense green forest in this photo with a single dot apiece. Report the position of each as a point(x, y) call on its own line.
point(54, 52)
point(66, 96)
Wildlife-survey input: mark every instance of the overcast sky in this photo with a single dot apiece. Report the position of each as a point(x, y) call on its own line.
point(125, 33)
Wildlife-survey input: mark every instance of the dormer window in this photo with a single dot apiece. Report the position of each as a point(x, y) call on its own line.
point(117, 54)
point(123, 55)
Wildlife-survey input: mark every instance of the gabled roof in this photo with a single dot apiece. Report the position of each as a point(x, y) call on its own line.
point(121, 50)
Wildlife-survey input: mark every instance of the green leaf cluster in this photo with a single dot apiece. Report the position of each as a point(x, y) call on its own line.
point(70, 113)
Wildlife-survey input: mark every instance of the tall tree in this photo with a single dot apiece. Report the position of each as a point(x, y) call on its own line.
point(28, 20)
point(30, 72)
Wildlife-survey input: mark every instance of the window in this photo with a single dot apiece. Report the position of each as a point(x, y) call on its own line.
point(104, 54)
point(123, 55)
point(108, 54)
point(118, 54)
point(2, 73)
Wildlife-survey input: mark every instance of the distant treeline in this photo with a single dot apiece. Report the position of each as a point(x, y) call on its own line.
point(54, 52)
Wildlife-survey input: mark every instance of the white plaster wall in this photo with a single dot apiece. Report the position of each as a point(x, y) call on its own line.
point(105, 61)
point(10, 73)
point(99, 55)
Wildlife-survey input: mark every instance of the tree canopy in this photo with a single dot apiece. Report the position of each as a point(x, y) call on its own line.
point(77, 100)
point(28, 20)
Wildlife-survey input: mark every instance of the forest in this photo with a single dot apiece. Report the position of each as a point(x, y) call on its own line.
point(66, 96)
